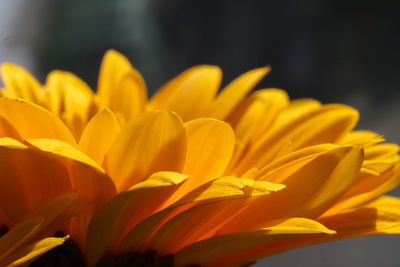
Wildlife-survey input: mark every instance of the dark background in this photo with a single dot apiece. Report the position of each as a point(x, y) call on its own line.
point(335, 51)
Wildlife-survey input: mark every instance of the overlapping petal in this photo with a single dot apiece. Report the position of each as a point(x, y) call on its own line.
point(214, 179)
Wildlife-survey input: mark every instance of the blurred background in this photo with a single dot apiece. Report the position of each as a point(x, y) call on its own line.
point(335, 51)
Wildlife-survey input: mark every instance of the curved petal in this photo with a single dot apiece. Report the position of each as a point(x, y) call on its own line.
point(234, 92)
point(70, 98)
point(86, 176)
point(121, 88)
point(127, 209)
point(324, 125)
point(17, 236)
point(19, 83)
point(380, 217)
point(366, 188)
point(225, 188)
point(99, 134)
point(210, 145)
point(309, 192)
point(28, 179)
point(32, 121)
point(153, 141)
point(30, 252)
point(202, 221)
point(213, 251)
point(190, 94)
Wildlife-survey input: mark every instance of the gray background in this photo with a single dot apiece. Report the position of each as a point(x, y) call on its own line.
point(335, 51)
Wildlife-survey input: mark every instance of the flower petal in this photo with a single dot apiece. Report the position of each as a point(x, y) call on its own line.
point(17, 236)
point(153, 141)
point(225, 188)
point(310, 191)
point(19, 83)
point(32, 121)
point(121, 88)
point(52, 210)
point(382, 216)
point(129, 96)
point(254, 117)
point(127, 209)
point(324, 125)
point(93, 185)
point(190, 94)
point(210, 145)
point(70, 98)
point(30, 252)
point(202, 221)
point(29, 179)
point(234, 92)
point(99, 134)
point(215, 250)
point(362, 138)
point(367, 187)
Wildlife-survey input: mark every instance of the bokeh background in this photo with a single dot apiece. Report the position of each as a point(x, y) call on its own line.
point(335, 51)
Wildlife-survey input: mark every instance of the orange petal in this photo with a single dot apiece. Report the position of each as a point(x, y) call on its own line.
point(32, 121)
point(202, 221)
point(225, 188)
point(28, 179)
point(153, 141)
point(217, 251)
point(309, 192)
point(86, 176)
point(190, 94)
point(234, 92)
point(127, 209)
point(209, 149)
point(19, 83)
point(70, 98)
point(323, 125)
point(99, 134)
point(17, 236)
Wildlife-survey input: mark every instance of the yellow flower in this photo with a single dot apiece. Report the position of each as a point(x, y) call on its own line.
point(212, 179)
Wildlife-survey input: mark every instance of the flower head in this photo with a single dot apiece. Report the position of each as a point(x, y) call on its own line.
point(211, 179)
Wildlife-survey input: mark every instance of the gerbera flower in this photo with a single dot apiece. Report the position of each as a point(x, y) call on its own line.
point(191, 176)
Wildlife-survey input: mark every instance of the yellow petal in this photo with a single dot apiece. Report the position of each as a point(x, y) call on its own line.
point(32, 121)
point(129, 95)
point(380, 158)
point(53, 209)
point(369, 220)
point(216, 251)
point(17, 236)
point(225, 188)
point(153, 141)
point(190, 94)
point(366, 188)
point(209, 149)
point(70, 98)
point(86, 176)
point(256, 118)
point(290, 163)
point(30, 252)
point(362, 138)
point(324, 125)
point(28, 179)
point(99, 134)
point(121, 88)
point(309, 192)
point(234, 92)
point(203, 221)
point(19, 83)
point(127, 209)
